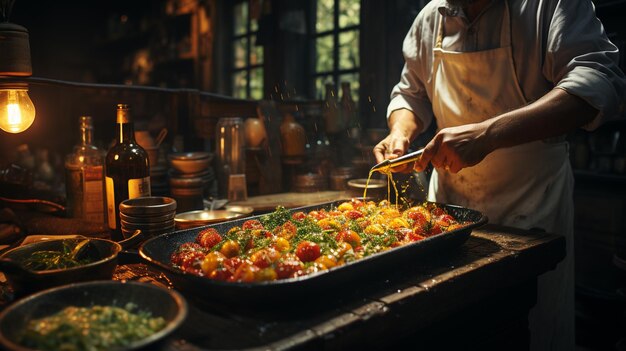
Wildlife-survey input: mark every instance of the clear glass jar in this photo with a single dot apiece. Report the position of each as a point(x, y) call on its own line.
point(230, 149)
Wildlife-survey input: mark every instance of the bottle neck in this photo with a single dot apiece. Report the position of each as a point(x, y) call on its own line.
point(126, 132)
point(86, 136)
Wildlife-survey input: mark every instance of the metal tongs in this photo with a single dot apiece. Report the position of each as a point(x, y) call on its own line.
point(404, 159)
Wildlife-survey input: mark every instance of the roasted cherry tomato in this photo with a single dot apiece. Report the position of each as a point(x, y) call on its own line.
point(438, 211)
point(230, 248)
point(266, 274)
point(298, 216)
point(349, 236)
point(287, 230)
point(328, 261)
point(445, 220)
point(416, 235)
point(353, 214)
point(307, 251)
point(434, 230)
point(281, 244)
point(288, 267)
point(245, 273)
point(208, 238)
point(231, 264)
point(264, 257)
point(252, 224)
point(212, 261)
point(192, 261)
point(221, 274)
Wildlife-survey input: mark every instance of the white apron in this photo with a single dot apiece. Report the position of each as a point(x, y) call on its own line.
point(526, 186)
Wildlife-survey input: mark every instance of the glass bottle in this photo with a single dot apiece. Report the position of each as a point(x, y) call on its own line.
point(332, 116)
point(348, 109)
point(84, 177)
point(127, 169)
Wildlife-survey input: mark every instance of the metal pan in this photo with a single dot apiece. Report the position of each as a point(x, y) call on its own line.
point(157, 251)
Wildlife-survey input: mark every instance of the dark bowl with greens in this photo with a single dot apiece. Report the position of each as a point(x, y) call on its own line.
point(50, 263)
point(121, 316)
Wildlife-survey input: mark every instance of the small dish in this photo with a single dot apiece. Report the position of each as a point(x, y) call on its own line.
point(376, 188)
point(200, 218)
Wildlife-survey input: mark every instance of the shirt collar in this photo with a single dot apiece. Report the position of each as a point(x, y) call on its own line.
point(445, 9)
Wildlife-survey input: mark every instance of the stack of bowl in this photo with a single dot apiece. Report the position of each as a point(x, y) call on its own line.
point(190, 175)
point(154, 215)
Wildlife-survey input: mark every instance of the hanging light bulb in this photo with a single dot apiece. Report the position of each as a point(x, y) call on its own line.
point(17, 111)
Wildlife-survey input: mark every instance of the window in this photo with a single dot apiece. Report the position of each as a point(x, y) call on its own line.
point(337, 44)
point(247, 75)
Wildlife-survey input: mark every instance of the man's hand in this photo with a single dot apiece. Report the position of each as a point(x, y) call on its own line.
point(404, 127)
point(455, 148)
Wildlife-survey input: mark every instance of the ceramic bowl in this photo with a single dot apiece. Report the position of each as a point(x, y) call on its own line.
point(148, 206)
point(376, 188)
point(159, 302)
point(190, 162)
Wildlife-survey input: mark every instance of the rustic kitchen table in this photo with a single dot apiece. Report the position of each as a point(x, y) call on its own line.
point(476, 296)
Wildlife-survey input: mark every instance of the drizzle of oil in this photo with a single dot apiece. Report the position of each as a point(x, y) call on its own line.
point(390, 182)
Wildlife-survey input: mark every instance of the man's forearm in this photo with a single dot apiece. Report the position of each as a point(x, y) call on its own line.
point(404, 122)
point(556, 113)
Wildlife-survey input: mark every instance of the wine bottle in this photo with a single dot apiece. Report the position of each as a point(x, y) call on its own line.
point(127, 168)
point(84, 177)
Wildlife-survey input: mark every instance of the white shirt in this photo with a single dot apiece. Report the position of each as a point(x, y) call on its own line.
point(555, 43)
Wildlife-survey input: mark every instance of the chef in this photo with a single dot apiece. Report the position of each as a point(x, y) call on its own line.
point(505, 80)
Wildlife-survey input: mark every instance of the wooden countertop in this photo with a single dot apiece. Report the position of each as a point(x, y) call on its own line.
point(442, 301)
point(291, 200)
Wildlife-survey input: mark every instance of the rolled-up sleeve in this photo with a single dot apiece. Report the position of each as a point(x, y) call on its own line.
point(410, 93)
point(581, 60)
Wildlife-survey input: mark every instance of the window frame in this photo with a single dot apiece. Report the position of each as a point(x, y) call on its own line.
point(248, 67)
point(335, 32)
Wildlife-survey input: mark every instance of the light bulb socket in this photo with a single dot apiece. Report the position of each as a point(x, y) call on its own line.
point(13, 85)
point(15, 48)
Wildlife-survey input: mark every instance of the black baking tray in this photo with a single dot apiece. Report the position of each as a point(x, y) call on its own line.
point(157, 251)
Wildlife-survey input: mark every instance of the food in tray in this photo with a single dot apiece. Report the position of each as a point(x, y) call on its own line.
point(283, 245)
point(91, 328)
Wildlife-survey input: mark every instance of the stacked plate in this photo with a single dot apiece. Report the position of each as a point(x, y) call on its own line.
point(154, 215)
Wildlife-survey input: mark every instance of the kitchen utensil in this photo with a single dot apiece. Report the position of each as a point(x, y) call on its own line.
point(159, 139)
point(157, 251)
point(404, 159)
point(157, 301)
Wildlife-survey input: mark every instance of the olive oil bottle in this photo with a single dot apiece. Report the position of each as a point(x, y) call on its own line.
point(84, 177)
point(127, 169)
